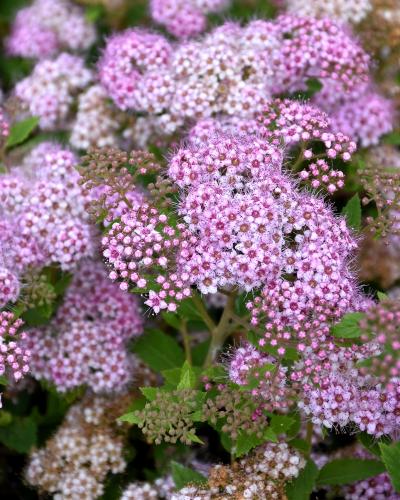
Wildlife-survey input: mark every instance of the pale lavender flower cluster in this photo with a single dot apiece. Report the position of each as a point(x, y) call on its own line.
point(51, 89)
point(86, 342)
point(48, 27)
point(366, 118)
point(43, 217)
point(232, 71)
point(350, 11)
point(96, 123)
point(14, 357)
point(185, 18)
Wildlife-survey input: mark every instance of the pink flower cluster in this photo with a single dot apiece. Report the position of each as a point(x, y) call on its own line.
point(133, 69)
point(232, 71)
point(43, 217)
point(86, 342)
point(267, 379)
point(245, 225)
point(47, 27)
point(185, 18)
point(289, 125)
point(382, 325)
point(50, 91)
point(363, 114)
point(14, 357)
point(341, 400)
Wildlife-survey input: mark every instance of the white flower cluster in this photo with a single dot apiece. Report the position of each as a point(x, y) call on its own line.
point(96, 123)
point(76, 460)
point(262, 474)
point(161, 489)
point(49, 92)
point(349, 11)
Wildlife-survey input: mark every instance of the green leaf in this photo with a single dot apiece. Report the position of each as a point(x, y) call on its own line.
point(20, 435)
point(172, 376)
point(38, 315)
point(199, 352)
point(149, 393)
point(301, 445)
point(345, 471)
point(172, 319)
point(159, 350)
point(183, 476)
point(188, 377)
point(5, 418)
point(281, 424)
point(3, 380)
point(348, 328)
point(188, 310)
point(352, 212)
point(246, 442)
point(192, 436)
point(20, 131)
point(131, 418)
point(371, 443)
point(269, 435)
point(301, 487)
point(382, 296)
point(391, 458)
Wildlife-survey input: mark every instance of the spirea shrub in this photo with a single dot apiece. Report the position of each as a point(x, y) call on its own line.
point(199, 250)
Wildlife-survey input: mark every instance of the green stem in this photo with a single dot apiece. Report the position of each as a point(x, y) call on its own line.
point(186, 341)
point(203, 312)
point(220, 333)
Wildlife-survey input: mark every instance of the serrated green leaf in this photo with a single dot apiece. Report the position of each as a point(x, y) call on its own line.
point(349, 470)
point(172, 376)
point(131, 418)
point(20, 131)
point(183, 476)
point(302, 487)
point(149, 393)
point(269, 435)
point(188, 377)
point(216, 372)
point(159, 350)
point(192, 436)
point(38, 315)
point(348, 328)
point(352, 212)
point(281, 424)
point(244, 443)
point(371, 443)
point(20, 435)
point(391, 458)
